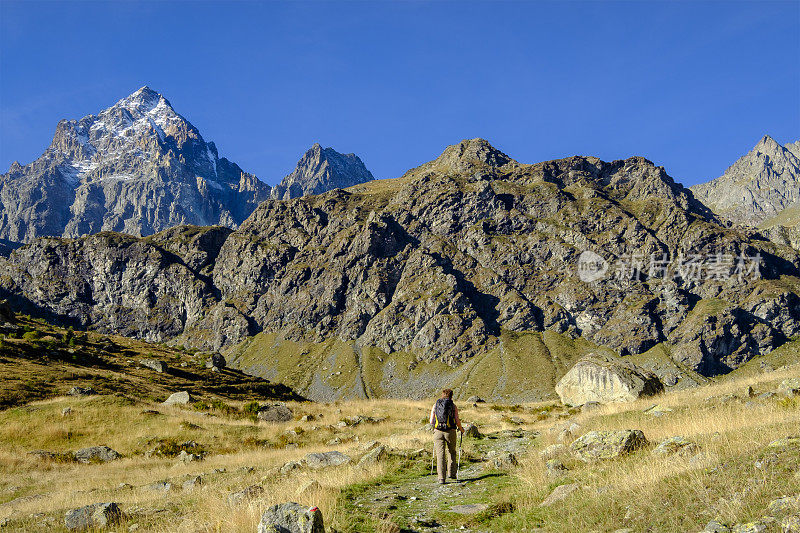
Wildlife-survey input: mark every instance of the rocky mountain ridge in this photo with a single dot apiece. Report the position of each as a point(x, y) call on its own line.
point(758, 186)
point(320, 170)
point(470, 256)
point(138, 167)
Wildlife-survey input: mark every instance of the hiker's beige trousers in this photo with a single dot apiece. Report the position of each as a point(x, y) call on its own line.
point(444, 447)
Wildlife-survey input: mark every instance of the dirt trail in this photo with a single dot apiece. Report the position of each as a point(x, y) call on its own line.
point(418, 503)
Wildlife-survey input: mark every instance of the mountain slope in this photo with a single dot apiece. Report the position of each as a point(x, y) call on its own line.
point(319, 170)
point(434, 268)
point(137, 167)
point(756, 187)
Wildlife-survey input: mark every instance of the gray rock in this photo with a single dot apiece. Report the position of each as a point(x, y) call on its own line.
point(250, 493)
point(472, 431)
point(216, 361)
point(555, 468)
point(716, 527)
point(153, 364)
point(66, 411)
point(475, 399)
point(95, 454)
point(603, 379)
point(749, 527)
point(186, 457)
point(291, 518)
point(290, 466)
point(81, 391)
point(275, 412)
point(597, 445)
point(678, 445)
point(95, 516)
point(373, 457)
point(552, 451)
point(160, 486)
point(192, 483)
point(790, 387)
point(790, 524)
point(178, 398)
point(309, 488)
point(325, 459)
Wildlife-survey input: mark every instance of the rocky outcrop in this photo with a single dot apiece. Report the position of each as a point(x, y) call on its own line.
point(598, 445)
point(604, 379)
point(137, 167)
point(320, 170)
point(438, 264)
point(758, 186)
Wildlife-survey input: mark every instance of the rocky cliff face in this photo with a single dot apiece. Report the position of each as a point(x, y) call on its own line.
point(137, 167)
point(320, 170)
point(756, 187)
point(441, 264)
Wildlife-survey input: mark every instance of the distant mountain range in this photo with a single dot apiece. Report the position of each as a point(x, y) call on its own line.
point(139, 167)
point(467, 269)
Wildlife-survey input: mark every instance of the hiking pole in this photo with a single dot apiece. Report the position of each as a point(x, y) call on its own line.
point(458, 467)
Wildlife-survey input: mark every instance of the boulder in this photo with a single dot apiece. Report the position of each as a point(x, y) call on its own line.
point(790, 524)
point(153, 364)
point(216, 360)
point(178, 398)
point(602, 379)
point(475, 399)
point(678, 445)
point(291, 518)
point(326, 459)
point(95, 454)
point(275, 412)
point(597, 445)
point(95, 516)
point(186, 457)
point(552, 451)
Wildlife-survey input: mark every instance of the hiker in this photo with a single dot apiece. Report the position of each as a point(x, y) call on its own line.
point(444, 419)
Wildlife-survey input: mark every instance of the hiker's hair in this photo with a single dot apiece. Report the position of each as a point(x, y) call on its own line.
point(447, 393)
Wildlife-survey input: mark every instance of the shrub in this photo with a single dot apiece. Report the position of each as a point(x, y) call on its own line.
point(31, 335)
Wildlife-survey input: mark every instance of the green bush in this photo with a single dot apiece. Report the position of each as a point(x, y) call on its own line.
point(31, 335)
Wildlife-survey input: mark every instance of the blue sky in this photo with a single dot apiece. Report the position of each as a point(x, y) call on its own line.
point(689, 85)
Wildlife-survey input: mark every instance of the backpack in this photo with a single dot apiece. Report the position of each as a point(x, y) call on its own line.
point(444, 414)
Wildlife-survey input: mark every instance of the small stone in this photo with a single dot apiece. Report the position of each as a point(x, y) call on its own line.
point(81, 391)
point(373, 457)
point(560, 493)
point(192, 483)
point(290, 466)
point(749, 392)
point(186, 457)
point(153, 364)
point(475, 399)
point(555, 468)
point(554, 450)
point(160, 486)
point(716, 527)
point(66, 411)
point(784, 506)
point(178, 398)
point(326, 459)
point(678, 445)
point(472, 431)
point(242, 496)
